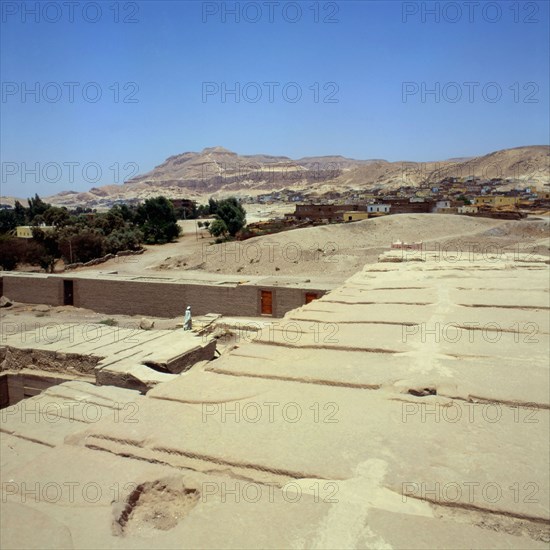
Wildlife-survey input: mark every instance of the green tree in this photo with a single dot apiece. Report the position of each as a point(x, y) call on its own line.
point(37, 254)
point(109, 221)
point(212, 206)
point(203, 210)
point(36, 207)
point(187, 212)
point(20, 213)
point(59, 217)
point(7, 220)
point(38, 220)
point(128, 238)
point(11, 252)
point(218, 228)
point(83, 246)
point(157, 220)
point(49, 242)
point(233, 215)
point(128, 213)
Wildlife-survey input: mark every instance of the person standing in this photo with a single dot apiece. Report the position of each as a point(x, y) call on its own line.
point(187, 322)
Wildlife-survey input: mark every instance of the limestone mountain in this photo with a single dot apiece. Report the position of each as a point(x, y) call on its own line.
point(218, 171)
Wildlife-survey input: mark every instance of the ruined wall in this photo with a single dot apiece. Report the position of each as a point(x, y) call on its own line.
point(158, 299)
point(15, 387)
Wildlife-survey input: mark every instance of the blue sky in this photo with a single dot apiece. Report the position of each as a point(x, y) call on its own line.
point(364, 71)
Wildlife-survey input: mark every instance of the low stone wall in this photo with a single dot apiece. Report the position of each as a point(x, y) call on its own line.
point(105, 258)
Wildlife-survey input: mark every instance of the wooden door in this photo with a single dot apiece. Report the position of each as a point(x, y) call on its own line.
point(266, 302)
point(310, 296)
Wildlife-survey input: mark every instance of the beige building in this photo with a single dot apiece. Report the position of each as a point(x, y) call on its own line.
point(353, 216)
point(25, 231)
point(495, 200)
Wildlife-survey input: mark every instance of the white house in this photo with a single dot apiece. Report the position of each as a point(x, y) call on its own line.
point(467, 209)
point(441, 205)
point(378, 208)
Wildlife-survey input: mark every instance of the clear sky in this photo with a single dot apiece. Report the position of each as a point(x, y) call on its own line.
point(395, 80)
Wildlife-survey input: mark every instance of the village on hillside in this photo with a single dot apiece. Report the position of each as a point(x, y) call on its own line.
point(473, 197)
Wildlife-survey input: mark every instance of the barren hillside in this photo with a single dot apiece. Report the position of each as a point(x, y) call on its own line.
point(217, 171)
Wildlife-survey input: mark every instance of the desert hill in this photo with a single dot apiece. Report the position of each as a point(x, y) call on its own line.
point(218, 171)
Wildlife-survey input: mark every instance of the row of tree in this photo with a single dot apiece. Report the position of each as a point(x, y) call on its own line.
point(81, 235)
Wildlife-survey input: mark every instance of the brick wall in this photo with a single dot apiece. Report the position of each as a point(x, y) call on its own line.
point(33, 290)
point(157, 299)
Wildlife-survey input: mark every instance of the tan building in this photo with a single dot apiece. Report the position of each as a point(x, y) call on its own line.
point(25, 231)
point(353, 216)
point(495, 200)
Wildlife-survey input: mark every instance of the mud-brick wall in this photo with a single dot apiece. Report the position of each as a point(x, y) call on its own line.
point(163, 299)
point(33, 290)
point(287, 299)
point(129, 297)
point(157, 299)
point(171, 299)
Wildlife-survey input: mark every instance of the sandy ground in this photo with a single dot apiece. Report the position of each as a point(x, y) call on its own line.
point(329, 253)
point(28, 317)
point(191, 243)
point(338, 251)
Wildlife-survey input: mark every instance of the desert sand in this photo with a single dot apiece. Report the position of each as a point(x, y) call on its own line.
point(337, 251)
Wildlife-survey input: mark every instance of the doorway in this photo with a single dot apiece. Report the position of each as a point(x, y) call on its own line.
point(266, 302)
point(68, 295)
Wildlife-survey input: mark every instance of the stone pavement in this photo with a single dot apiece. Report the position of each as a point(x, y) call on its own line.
point(409, 408)
point(111, 355)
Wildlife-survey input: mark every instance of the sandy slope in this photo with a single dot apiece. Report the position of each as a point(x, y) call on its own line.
point(338, 251)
